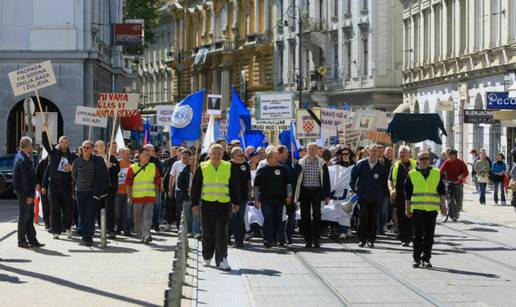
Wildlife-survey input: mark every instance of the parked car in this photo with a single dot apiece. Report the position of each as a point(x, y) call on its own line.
point(6, 173)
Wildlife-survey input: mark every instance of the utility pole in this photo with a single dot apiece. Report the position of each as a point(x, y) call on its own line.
point(300, 75)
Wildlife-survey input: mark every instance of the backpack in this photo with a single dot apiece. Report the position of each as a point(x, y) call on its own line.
point(183, 179)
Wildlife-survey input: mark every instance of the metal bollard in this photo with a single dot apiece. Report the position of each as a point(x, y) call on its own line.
point(103, 234)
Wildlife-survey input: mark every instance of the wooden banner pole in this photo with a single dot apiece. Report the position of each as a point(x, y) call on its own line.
point(112, 136)
point(43, 119)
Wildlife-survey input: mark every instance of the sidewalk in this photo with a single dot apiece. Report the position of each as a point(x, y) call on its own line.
point(504, 215)
point(64, 273)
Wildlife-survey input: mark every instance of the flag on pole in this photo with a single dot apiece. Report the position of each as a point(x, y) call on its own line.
point(209, 137)
point(119, 139)
point(187, 118)
point(294, 143)
point(146, 132)
point(239, 119)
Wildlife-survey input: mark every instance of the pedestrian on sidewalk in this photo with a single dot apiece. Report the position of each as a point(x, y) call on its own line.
point(272, 190)
point(455, 171)
point(241, 174)
point(474, 177)
point(24, 182)
point(123, 210)
point(91, 178)
point(143, 182)
point(213, 188)
point(59, 184)
point(397, 177)
point(499, 170)
point(513, 178)
point(368, 181)
point(312, 187)
point(482, 169)
point(426, 195)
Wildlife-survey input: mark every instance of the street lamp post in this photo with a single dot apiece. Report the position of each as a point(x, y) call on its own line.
point(300, 34)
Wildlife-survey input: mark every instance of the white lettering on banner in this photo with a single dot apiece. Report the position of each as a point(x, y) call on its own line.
point(182, 116)
point(494, 99)
point(117, 104)
point(272, 106)
point(306, 127)
point(88, 117)
point(164, 115)
point(31, 78)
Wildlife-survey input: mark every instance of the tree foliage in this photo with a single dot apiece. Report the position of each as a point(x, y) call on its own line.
point(148, 10)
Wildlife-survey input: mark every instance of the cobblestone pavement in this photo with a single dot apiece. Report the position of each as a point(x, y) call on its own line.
point(65, 273)
point(474, 265)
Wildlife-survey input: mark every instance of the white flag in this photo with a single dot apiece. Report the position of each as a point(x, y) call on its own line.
point(119, 139)
point(209, 137)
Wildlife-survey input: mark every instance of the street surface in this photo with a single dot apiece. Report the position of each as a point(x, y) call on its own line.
point(474, 265)
point(64, 273)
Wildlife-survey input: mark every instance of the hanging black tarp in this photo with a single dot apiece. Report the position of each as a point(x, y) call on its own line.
point(415, 128)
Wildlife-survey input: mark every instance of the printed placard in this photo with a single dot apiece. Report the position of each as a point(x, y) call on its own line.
point(86, 116)
point(164, 115)
point(117, 104)
point(214, 105)
point(306, 126)
point(32, 78)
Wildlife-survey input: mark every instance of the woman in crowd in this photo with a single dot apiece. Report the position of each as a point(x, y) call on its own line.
point(482, 169)
point(499, 169)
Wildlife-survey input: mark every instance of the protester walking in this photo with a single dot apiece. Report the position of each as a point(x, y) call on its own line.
point(499, 170)
point(91, 178)
point(241, 175)
point(455, 171)
point(59, 184)
point(114, 171)
point(482, 170)
point(396, 181)
point(143, 182)
point(312, 187)
point(426, 195)
point(383, 212)
point(24, 182)
point(272, 191)
point(368, 180)
point(215, 192)
point(123, 210)
point(41, 174)
point(285, 161)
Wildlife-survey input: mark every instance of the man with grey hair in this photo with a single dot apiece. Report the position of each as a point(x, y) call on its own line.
point(24, 181)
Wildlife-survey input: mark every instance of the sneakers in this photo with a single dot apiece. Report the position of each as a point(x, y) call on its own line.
point(168, 227)
point(267, 244)
point(370, 244)
point(342, 236)
point(207, 262)
point(55, 236)
point(405, 244)
point(197, 236)
point(224, 265)
point(361, 244)
point(504, 203)
point(112, 235)
point(308, 245)
point(69, 233)
point(147, 240)
point(416, 264)
point(427, 265)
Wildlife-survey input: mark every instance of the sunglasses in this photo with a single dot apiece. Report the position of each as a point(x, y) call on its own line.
point(345, 153)
point(424, 159)
point(86, 147)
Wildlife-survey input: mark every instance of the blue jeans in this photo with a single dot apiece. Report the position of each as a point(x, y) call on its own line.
point(499, 185)
point(193, 223)
point(273, 214)
point(87, 207)
point(237, 225)
point(156, 211)
point(124, 214)
point(482, 189)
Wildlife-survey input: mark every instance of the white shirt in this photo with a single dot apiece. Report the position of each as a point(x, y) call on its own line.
point(176, 169)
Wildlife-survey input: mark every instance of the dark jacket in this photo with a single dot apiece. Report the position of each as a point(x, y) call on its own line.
point(101, 187)
point(57, 181)
point(41, 171)
point(24, 177)
point(113, 174)
point(369, 184)
point(298, 175)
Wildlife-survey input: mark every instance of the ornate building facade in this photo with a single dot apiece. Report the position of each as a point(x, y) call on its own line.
point(457, 51)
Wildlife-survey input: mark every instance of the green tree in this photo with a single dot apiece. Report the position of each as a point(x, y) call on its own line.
point(148, 10)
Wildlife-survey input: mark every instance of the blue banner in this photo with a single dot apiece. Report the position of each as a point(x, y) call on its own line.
point(500, 101)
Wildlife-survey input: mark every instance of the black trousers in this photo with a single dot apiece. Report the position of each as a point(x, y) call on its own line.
point(404, 223)
point(310, 201)
point(61, 210)
point(170, 209)
point(367, 221)
point(45, 204)
point(26, 230)
point(424, 226)
point(110, 212)
point(215, 218)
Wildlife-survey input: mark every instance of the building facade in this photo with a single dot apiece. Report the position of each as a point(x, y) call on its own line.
point(76, 36)
point(351, 51)
point(213, 45)
point(456, 51)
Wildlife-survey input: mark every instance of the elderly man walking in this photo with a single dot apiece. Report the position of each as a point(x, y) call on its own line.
point(212, 186)
point(312, 187)
point(24, 180)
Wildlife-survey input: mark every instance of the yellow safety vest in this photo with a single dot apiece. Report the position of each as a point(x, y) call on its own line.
point(215, 182)
point(396, 168)
point(425, 196)
point(143, 183)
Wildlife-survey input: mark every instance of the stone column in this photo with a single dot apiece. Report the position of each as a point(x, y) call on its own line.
point(194, 81)
point(225, 86)
point(257, 15)
point(215, 85)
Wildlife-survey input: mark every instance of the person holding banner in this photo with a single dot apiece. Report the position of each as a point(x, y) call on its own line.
point(59, 184)
point(123, 210)
point(24, 181)
point(312, 187)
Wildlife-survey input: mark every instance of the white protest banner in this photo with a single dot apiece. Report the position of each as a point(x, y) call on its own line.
point(32, 78)
point(117, 104)
point(364, 120)
point(264, 125)
point(334, 117)
point(51, 119)
point(382, 121)
point(306, 127)
point(214, 105)
point(164, 115)
point(88, 117)
point(274, 105)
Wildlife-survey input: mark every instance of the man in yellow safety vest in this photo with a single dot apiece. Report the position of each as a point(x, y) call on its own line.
point(214, 188)
point(425, 195)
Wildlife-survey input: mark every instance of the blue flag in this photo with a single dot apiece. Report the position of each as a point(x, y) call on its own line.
point(187, 117)
point(239, 119)
point(146, 132)
point(293, 141)
point(254, 138)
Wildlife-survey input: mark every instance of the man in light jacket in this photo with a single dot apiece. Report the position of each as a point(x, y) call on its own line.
point(312, 187)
